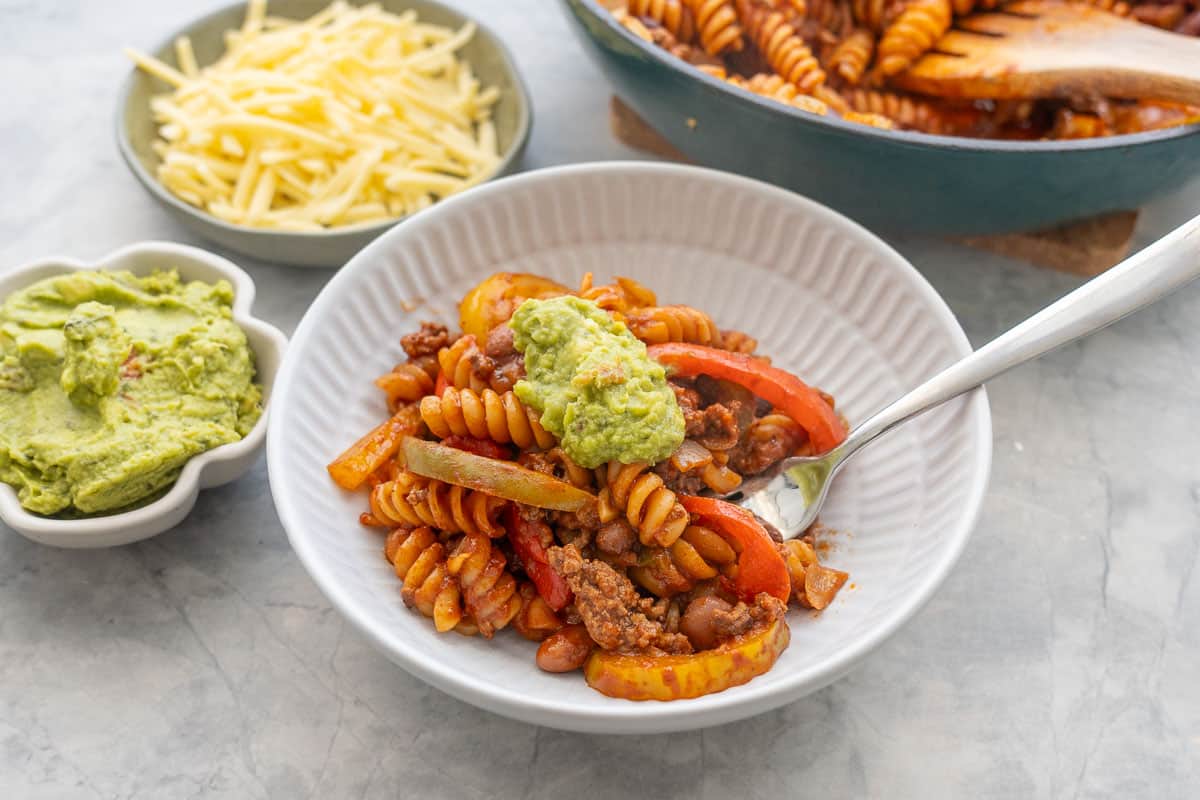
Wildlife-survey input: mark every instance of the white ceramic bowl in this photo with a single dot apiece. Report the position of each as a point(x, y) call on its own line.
point(825, 298)
point(212, 468)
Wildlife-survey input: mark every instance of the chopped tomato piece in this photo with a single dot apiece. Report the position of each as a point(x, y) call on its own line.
point(781, 389)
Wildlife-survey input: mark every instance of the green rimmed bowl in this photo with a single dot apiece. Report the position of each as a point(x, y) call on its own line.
point(888, 180)
point(136, 129)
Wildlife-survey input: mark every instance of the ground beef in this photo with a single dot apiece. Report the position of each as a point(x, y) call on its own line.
point(741, 618)
point(427, 341)
point(538, 462)
point(687, 398)
point(608, 605)
point(679, 482)
point(506, 365)
point(716, 424)
point(763, 448)
point(715, 427)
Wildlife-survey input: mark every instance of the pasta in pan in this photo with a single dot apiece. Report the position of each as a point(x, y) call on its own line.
point(835, 57)
point(513, 509)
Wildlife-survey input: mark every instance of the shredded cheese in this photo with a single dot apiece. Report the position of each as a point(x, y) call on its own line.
point(353, 116)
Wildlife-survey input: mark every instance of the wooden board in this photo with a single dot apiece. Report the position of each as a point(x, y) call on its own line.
point(1085, 248)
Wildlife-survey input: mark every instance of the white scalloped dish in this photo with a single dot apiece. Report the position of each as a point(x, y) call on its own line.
point(211, 468)
point(825, 298)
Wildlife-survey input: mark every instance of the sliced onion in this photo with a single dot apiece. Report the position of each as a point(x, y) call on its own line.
point(690, 455)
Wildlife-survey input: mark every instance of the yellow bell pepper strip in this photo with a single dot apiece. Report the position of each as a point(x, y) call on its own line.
point(781, 389)
point(489, 475)
point(494, 300)
point(526, 537)
point(737, 661)
point(760, 567)
point(351, 469)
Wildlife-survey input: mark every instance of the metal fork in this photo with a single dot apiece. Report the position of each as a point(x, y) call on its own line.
point(790, 496)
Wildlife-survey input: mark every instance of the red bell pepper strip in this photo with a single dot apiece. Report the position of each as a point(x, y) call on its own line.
point(760, 567)
point(526, 537)
point(781, 389)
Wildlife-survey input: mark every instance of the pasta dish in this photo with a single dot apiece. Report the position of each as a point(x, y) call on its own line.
point(553, 469)
point(838, 57)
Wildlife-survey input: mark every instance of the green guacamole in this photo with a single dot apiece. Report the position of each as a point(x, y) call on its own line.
point(593, 383)
point(110, 382)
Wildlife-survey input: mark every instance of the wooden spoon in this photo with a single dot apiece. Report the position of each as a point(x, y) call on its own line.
point(1036, 48)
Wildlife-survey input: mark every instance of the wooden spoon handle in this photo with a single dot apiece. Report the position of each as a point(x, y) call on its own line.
point(1039, 49)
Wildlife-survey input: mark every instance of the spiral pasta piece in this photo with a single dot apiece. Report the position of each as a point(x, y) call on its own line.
point(419, 560)
point(738, 342)
point(832, 16)
point(489, 591)
point(905, 111)
point(699, 554)
point(873, 14)
point(536, 620)
point(466, 366)
point(484, 415)
point(867, 118)
point(406, 383)
point(778, 89)
point(915, 30)
point(411, 501)
point(671, 14)
point(649, 505)
point(720, 478)
point(781, 45)
point(678, 323)
point(850, 58)
point(577, 476)
point(717, 24)
point(620, 296)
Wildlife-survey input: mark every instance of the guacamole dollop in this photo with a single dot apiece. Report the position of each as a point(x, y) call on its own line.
point(593, 383)
point(110, 382)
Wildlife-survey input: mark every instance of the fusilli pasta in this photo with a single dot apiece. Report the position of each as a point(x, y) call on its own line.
point(419, 560)
point(780, 44)
point(484, 415)
point(658, 324)
point(718, 26)
point(838, 57)
point(648, 504)
point(698, 554)
point(409, 501)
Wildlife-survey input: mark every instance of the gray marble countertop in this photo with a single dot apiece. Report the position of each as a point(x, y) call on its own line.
point(1059, 660)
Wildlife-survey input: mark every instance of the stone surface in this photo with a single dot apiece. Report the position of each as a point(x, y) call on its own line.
point(1059, 660)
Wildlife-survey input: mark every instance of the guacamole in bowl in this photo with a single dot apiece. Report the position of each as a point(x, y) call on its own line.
point(110, 382)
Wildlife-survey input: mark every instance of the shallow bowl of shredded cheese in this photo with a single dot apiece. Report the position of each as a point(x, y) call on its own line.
point(298, 131)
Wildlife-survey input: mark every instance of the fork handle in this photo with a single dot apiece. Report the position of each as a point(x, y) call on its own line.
point(1138, 281)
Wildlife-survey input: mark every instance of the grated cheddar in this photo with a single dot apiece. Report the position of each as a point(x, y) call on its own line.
point(353, 116)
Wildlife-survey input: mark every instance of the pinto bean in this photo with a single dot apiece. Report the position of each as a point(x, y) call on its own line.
point(699, 621)
point(565, 650)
